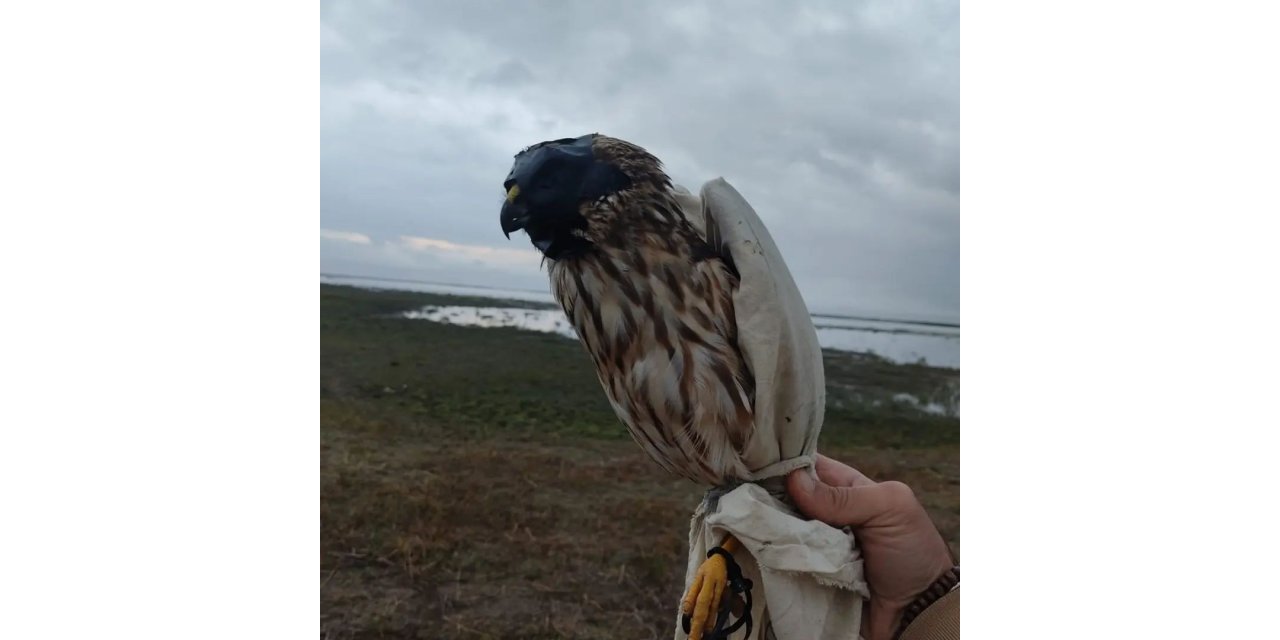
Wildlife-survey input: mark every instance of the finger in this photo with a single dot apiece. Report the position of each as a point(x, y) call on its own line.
point(690, 597)
point(839, 506)
point(839, 474)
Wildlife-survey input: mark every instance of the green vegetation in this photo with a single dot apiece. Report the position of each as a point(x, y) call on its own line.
point(475, 482)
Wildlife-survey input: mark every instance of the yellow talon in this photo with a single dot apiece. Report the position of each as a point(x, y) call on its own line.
point(702, 602)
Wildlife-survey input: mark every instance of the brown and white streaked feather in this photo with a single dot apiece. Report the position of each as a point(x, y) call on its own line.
point(652, 304)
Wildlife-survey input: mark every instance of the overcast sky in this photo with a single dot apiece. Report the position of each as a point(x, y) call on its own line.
point(838, 121)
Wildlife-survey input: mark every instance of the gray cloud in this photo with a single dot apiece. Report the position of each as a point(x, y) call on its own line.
point(838, 121)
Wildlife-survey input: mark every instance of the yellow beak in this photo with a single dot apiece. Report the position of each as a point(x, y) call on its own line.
point(513, 192)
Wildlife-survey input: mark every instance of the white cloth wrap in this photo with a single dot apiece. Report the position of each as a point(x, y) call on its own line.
point(807, 576)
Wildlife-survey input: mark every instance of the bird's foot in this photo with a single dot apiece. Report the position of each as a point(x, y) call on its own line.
point(718, 590)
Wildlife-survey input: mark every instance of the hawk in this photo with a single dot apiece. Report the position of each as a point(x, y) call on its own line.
point(650, 292)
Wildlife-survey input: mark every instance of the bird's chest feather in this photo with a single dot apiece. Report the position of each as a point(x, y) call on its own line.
point(660, 328)
point(625, 306)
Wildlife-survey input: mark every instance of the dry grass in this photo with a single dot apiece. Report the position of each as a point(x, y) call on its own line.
point(438, 524)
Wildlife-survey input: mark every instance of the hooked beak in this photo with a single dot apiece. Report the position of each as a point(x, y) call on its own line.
point(514, 216)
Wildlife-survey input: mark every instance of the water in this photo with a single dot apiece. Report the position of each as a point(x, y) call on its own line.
point(901, 341)
point(898, 341)
point(544, 320)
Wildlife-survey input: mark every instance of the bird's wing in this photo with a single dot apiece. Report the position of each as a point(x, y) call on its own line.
point(703, 221)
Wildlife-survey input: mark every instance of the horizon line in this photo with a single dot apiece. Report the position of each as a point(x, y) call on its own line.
point(867, 318)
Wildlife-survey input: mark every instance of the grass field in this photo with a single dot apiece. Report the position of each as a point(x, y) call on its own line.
point(476, 484)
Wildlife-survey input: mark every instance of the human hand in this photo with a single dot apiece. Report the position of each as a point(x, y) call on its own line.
point(903, 553)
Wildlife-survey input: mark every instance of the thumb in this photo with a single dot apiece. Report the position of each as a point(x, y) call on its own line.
point(836, 506)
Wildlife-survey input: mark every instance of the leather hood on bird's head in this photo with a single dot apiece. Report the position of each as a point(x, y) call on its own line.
point(546, 187)
point(775, 334)
point(572, 157)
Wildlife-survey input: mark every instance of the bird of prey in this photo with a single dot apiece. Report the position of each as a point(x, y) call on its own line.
point(649, 291)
